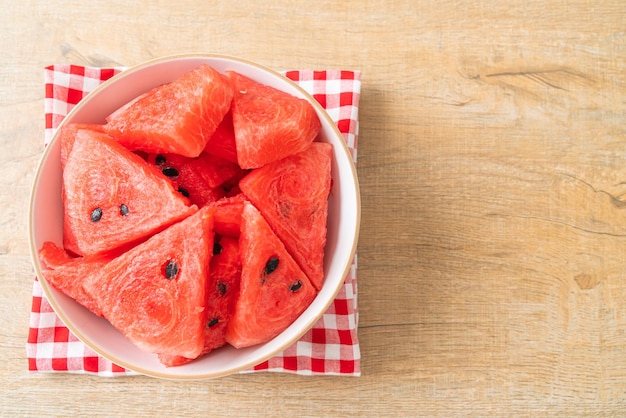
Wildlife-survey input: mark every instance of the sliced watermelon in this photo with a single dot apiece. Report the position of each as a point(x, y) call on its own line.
point(146, 255)
point(269, 124)
point(155, 292)
point(292, 194)
point(178, 117)
point(274, 291)
point(112, 197)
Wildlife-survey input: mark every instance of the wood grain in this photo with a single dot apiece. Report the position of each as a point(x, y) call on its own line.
point(491, 160)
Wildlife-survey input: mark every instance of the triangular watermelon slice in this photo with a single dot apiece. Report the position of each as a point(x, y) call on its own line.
point(155, 292)
point(269, 124)
point(178, 117)
point(274, 291)
point(112, 197)
point(292, 194)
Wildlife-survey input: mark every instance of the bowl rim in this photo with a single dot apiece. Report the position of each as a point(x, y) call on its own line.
point(320, 110)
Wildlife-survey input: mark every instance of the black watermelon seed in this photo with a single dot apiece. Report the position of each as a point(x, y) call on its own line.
point(159, 159)
point(96, 215)
point(213, 322)
point(123, 209)
point(221, 288)
point(171, 270)
point(296, 286)
point(217, 248)
point(272, 264)
point(183, 191)
point(170, 172)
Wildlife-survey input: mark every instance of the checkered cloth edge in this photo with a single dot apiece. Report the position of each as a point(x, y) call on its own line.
point(331, 347)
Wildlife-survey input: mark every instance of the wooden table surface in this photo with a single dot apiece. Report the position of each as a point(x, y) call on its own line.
point(492, 165)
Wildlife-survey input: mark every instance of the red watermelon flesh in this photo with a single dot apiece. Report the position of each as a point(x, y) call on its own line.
point(292, 194)
point(52, 256)
point(222, 293)
point(274, 291)
point(69, 274)
point(228, 215)
point(222, 142)
point(125, 107)
point(67, 134)
point(112, 197)
point(230, 187)
point(197, 178)
point(154, 294)
point(269, 124)
point(178, 117)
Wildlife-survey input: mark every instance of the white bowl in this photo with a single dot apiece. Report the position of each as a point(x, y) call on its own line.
point(46, 222)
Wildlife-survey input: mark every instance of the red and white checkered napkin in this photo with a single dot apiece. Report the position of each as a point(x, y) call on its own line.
point(331, 347)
